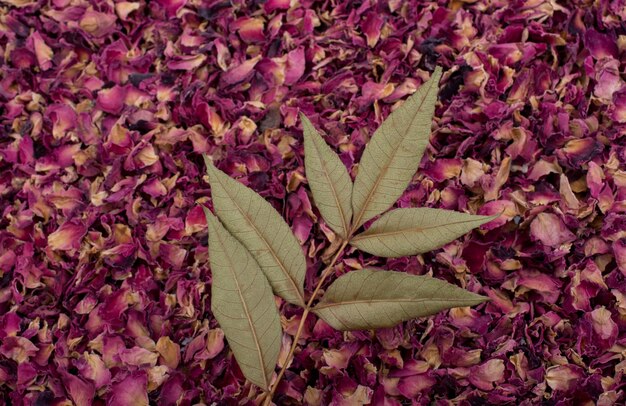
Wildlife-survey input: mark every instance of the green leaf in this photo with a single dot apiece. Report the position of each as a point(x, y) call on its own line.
point(243, 304)
point(402, 232)
point(259, 227)
point(329, 180)
point(370, 299)
point(393, 154)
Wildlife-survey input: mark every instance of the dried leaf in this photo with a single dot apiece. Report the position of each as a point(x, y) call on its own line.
point(259, 227)
point(329, 180)
point(371, 299)
point(393, 154)
point(404, 232)
point(243, 304)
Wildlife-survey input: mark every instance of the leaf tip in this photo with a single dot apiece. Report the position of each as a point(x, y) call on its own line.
point(487, 219)
point(210, 167)
point(476, 299)
point(307, 126)
point(437, 73)
point(210, 217)
point(207, 161)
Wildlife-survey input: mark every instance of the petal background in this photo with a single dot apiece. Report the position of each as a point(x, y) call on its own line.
point(107, 107)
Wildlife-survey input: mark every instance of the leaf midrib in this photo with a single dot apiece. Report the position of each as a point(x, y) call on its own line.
point(344, 222)
point(269, 248)
point(388, 300)
point(246, 310)
point(375, 234)
point(388, 162)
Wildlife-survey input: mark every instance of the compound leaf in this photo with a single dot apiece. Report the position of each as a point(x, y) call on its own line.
point(402, 232)
point(243, 304)
point(262, 230)
point(393, 154)
point(329, 180)
point(371, 299)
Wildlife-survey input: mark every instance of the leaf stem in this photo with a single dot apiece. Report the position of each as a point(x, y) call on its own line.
point(305, 314)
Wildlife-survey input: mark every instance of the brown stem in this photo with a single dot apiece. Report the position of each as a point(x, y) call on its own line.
point(305, 314)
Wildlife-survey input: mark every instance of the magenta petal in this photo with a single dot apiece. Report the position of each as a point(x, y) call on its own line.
point(371, 28)
point(131, 391)
point(271, 5)
point(600, 45)
point(550, 230)
point(240, 72)
point(68, 237)
point(19, 349)
point(250, 29)
point(195, 220)
point(43, 52)
point(172, 6)
point(563, 377)
point(295, 66)
point(619, 250)
point(63, 119)
point(619, 107)
point(92, 367)
point(484, 376)
point(82, 392)
point(112, 100)
point(26, 374)
point(98, 24)
point(411, 386)
point(604, 329)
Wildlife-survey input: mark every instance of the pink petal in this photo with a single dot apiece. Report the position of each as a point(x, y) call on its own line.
point(112, 100)
point(619, 107)
point(19, 349)
point(371, 28)
point(563, 377)
point(26, 374)
point(603, 325)
point(250, 29)
point(132, 391)
point(97, 24)
point(600, 45)
point(195, 220)
point(68, 237)
point(412, 386)
point(271, 5)
point(82, 392)
point(214, 342)
point(240, 72)
point(147, 156)
point(43, 52)
point(550, 230)
point(295, 66)
point(187, 62)
point(124, 8)
point(484, 376)
point(619, 250)
point(92, 367)
point(169, 351)
point(172, 6)
point(63, 119)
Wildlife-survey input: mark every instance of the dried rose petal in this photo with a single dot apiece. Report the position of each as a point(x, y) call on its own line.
point(106, 109)
point(67, 237)
point(132, 390)
point(563, 377)
point(484, 376)
point(550, 230)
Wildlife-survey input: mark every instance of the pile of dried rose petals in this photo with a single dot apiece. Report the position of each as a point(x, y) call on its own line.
point(106, 108)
